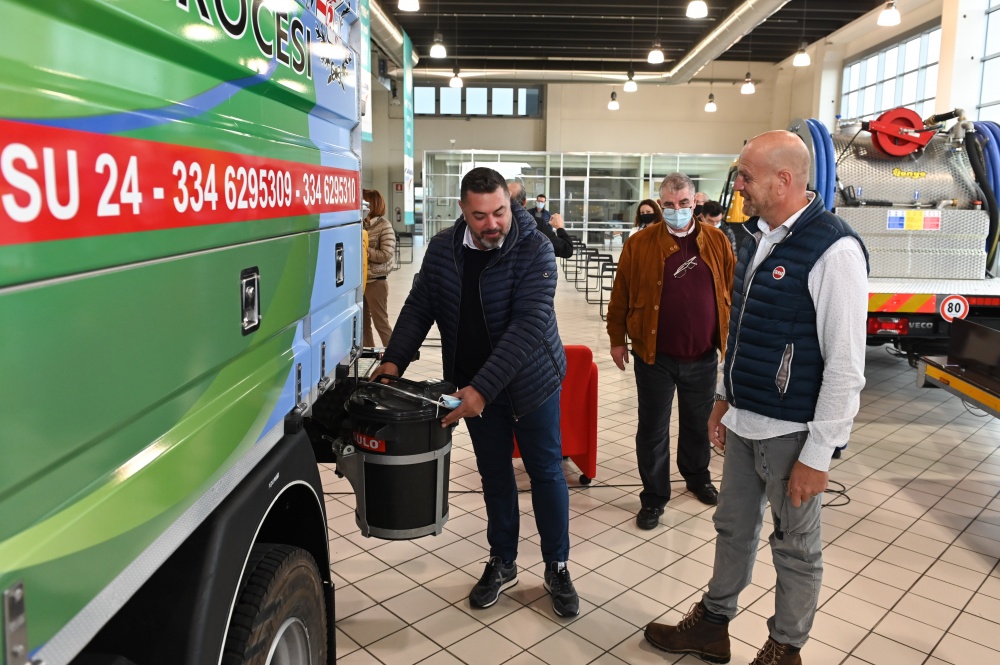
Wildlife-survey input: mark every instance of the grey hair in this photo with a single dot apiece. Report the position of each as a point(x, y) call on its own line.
point(675, 182)
point(518, 193)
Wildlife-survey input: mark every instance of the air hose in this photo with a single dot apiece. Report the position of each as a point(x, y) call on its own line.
point(978, 161)
point(826, 161)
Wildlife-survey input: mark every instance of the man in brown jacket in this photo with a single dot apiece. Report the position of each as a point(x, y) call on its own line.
point(671, 297)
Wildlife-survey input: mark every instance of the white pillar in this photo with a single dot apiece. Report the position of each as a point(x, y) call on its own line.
point(963, 37)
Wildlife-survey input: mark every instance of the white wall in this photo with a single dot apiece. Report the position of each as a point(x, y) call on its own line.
point(660, 117)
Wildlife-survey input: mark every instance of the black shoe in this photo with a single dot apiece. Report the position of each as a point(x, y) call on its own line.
point(565, 602)
point(648, 518)
point(706, 493)
point(496, 577)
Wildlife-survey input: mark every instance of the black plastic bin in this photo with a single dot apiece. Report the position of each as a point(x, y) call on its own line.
point(397, 457)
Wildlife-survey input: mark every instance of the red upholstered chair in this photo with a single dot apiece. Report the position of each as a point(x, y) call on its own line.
point(578, 407)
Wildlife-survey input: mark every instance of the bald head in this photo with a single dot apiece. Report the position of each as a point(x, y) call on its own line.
point(780, 150)
point(773, 176)
point(517, 193)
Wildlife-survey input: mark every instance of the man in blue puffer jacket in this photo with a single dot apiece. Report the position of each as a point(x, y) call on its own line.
point(489, 283)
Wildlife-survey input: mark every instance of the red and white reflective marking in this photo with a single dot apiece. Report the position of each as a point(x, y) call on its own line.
point(57, 184)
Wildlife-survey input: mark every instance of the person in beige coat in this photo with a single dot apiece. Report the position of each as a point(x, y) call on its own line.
point(381, 251)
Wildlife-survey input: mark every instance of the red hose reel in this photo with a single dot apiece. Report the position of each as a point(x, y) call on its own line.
point(899, 132)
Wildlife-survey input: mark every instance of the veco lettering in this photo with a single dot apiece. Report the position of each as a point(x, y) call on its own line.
point(57, 184)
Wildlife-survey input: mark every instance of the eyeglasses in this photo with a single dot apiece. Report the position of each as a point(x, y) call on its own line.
point(684, 267)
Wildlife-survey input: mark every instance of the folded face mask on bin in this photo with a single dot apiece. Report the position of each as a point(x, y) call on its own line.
point(450, 402)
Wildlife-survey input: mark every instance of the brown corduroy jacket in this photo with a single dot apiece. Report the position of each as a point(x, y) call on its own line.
point(634, 309)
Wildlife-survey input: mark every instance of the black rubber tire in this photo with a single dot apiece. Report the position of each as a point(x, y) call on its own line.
point(281, 582)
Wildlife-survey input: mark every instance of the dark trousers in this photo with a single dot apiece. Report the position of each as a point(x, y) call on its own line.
point(540, 443)
point(655, 384)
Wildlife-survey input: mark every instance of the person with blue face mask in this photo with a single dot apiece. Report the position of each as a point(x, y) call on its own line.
point(671, 297)
point(541, 215)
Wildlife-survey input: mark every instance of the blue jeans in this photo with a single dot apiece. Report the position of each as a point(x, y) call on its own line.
point(755, 473)
point(655, 385)
point(540, 443)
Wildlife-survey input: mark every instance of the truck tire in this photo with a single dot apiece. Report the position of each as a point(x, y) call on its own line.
point(280, 614)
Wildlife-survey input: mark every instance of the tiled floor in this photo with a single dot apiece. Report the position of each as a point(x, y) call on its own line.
point(911, 571)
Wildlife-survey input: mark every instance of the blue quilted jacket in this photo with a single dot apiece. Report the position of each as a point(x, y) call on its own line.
point(517, 289)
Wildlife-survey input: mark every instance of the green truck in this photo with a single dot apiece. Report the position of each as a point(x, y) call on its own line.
point(180, 280)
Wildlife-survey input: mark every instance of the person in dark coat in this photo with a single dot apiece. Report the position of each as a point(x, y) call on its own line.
point(551, 225)
point(489, 282)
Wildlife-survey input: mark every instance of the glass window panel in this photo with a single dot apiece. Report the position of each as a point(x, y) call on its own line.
point(992, 34)
point(931, 81)
point(928, 108)
point(534, 102)
point(855, 76)
point(868, 100)
point(475, 101)
point(990, 113)
point(934, 46)
point(451, 101)
point(888, 95)
point(909, 89)
point(911, 59)
point(845, 83)
point(991, 82)
point(522, 101)
point(891, 67)
point(871, 69)
point(852, 105)
point(843, 107)
point(424, 100)
point(994, 3)
point(503, 101)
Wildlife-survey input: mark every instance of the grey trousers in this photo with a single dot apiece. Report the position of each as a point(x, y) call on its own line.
point(754, 473)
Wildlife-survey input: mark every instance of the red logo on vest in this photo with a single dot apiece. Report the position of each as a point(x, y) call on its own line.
point(778, 272)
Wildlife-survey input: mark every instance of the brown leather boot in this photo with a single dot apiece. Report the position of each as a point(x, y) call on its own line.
point(693, 635)
point(776, 653)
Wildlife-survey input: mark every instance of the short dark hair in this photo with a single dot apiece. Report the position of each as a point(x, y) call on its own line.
point(542, 195)
point(482, 180)
point(712, 209)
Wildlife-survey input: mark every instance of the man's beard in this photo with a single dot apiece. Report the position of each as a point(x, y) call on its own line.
point(492, 242)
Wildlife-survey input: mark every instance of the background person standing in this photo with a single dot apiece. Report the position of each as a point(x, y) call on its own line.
point(381, 253)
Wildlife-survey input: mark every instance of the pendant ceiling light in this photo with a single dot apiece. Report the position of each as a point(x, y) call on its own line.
point(802, 58)
point(409, 5)
point(890, 15)
point(456, 80)
point(697, 9)
point(438, 50)
point(710, 107)
point(613, 104)
point(630, 84)
point(655, 56)
point(748, 87)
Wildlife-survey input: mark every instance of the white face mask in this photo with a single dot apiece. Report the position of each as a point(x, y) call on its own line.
point(540, 205)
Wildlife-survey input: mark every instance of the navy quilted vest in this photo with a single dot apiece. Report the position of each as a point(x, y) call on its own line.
point(773, 362)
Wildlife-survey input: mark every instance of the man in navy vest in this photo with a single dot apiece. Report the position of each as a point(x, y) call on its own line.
point(791, 387)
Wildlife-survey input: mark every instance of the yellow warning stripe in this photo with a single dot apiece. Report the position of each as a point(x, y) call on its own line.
point(977, 395)
point(914, 303)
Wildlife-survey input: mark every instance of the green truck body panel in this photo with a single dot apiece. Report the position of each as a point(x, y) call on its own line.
point(129, 389)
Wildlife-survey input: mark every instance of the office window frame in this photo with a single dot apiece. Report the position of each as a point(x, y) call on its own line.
point(520, 96)
point(989, 88)
point(868, 79)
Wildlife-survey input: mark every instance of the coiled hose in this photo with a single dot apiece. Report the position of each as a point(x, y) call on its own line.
point(977, 159)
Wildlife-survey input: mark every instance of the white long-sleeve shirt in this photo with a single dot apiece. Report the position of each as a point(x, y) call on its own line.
point(838, 285)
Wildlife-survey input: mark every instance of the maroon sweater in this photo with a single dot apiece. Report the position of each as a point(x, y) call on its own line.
point(688, 325)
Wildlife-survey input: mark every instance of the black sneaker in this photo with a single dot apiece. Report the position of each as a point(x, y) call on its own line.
point(497, 577)
point(565, 602)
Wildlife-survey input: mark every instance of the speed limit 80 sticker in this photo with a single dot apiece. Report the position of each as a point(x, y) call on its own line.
point(953, 307)
point(57, 184)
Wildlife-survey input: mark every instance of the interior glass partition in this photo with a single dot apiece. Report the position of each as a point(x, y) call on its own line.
point(596, 193)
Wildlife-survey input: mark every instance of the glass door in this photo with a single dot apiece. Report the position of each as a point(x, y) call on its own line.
point(574, 195)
